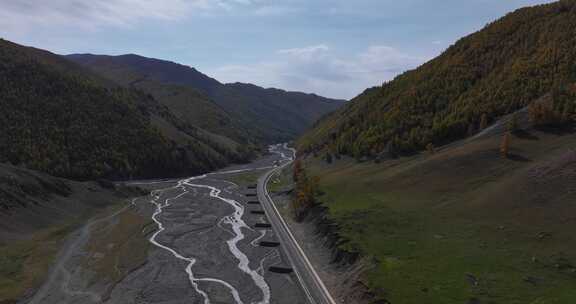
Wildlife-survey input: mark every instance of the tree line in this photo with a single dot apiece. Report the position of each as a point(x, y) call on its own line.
point(57, 118)
point(503, 68)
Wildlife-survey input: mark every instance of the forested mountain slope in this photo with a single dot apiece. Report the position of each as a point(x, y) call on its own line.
point(269, 115)
point(462, 224)
point(484, 215)
point(187, 103)
point(498, 70)
point(60, 118)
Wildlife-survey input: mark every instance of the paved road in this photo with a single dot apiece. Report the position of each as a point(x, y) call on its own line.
point(314, 288)
point(204, 249)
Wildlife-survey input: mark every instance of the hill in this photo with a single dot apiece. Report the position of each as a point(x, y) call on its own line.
point(37, 212)
point(462, 225)
point(496, 71)
point(186, 103)
point(269, 115)
point(60, 118)
point(462, 222)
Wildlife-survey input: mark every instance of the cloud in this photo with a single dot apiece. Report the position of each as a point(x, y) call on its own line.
point(318, 69)
point(306, 53)
point(275, 10)
point(100, 13)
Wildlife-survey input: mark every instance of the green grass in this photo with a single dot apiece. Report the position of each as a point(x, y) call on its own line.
point(280, 181)
point(122, 247)
point(245, 179)
point(436, 222)
point(24, 264)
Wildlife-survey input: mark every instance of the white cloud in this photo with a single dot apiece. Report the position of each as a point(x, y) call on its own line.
point(318, 69)
point(307, 53)
point(98, 13)
point(275, 10)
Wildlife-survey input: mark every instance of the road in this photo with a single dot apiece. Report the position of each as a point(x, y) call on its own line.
point(204, 248)
point(311, 283)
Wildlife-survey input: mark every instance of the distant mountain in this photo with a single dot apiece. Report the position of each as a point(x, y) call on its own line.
point(269, 115)
point(186, 103)
point(60, 118)
point(496, 71)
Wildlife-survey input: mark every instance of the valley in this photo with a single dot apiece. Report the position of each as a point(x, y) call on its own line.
point(130, 179)
point(190, 241)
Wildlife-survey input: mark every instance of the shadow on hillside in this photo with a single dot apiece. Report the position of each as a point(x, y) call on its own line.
point(556, 130)
point(518, 158)
point(523, 134)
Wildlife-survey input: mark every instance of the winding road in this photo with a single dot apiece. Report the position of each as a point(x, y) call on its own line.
point(315, 290)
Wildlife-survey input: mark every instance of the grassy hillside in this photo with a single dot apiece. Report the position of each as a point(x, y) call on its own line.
point(463, 225)
point(268, 115)
point(495, 71)
point(59, 118)
point(37, 212)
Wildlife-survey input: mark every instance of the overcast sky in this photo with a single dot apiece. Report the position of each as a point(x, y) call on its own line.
point(335, 48)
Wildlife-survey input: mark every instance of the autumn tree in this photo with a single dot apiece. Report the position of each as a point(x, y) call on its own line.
point(430, 148)
point(555, 111)
point(306, 189)
point(297, 171)
point(478, 79)
point(512, 125)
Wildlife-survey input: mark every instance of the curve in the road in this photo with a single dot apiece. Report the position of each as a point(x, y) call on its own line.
point(309, 279)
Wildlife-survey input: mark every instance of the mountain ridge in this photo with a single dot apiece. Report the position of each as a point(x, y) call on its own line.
point(262, 111)
point(59, 117)
point(490, 73)
point(455, 181)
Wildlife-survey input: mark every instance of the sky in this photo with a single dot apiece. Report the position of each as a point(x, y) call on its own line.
point(334, 48)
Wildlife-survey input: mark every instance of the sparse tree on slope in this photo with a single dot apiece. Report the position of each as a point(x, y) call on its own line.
point(505, 145)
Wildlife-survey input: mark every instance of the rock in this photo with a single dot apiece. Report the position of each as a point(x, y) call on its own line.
point(472, 279)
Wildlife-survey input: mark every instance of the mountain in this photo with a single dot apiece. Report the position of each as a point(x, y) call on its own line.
point(460, 225)
point(269, 115)
point(186, 103)
point(60, 118)
point(454, 182)
point(496, 71)
point(38, 215)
